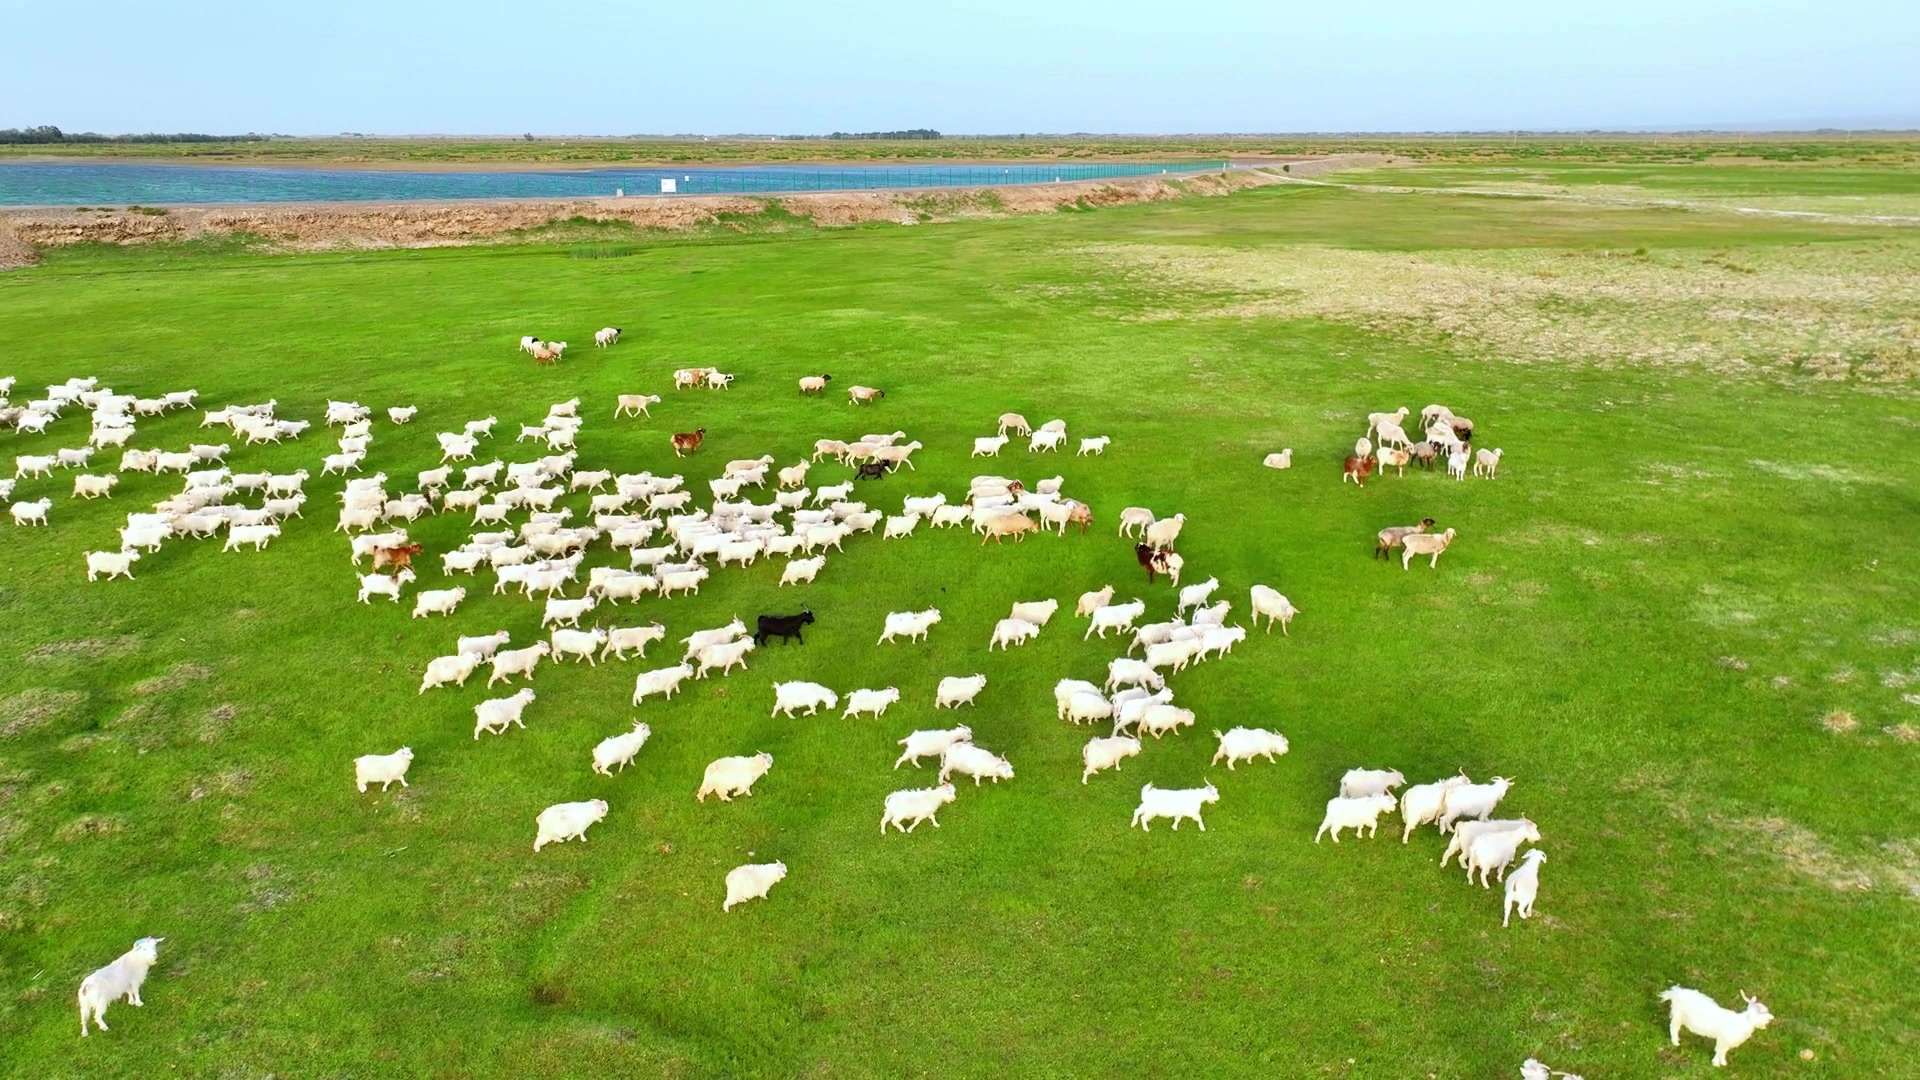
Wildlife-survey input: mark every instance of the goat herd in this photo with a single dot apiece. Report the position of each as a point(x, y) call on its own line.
point(544, 556)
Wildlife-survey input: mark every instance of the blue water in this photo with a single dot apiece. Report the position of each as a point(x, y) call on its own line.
point(98, 184)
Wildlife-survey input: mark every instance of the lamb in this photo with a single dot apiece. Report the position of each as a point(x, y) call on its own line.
point(620, 749)
point(1196, 595)
point(382, 769)
point(1486, 461)
point(810, 696)
point(1281, 460)
point(1175, 803)
point(494, 715)
point(122, 978)
point(1466, 832)
point(1523, 886)
point(562, 822)
point(561, 611)
point(372, 585)
point(870, 701)
point(517, 663)
point(725, 657)
point(1457, 464)
point(92, 487)
point(1160, 719)
point(1091, 602)
point(1161, 534)
point(1696, 1012)
point(914, 806)
point(730, 776)
point(1010, 632)
point(754, 880)
point(111, 563)
point(662, 681)
point(1088, 708)
point(957, 690)
point(1016, 422)
point(621, 640)
point(914, 624)
point(1114, 617)
point(580, 644)
point(1102, 753)
point(1422, 803)
point(990, 446)
point(1096, 446)
point(1358, 783)
point(1123, 671)
point(1424, 544)
point(1362, 815)
point(1245, 744)
point(1472, 801)
point(969, 760)
point(454, 669)
point(1494, 851)
point(931, 744)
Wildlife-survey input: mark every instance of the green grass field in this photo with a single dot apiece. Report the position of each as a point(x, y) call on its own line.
point(1682, 619)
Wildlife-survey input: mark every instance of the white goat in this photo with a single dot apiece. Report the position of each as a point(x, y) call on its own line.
point(1175, 803)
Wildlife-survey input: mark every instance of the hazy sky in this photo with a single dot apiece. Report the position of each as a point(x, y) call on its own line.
point(987, 66)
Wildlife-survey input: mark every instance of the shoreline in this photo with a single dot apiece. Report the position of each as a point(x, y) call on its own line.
point(521, 166)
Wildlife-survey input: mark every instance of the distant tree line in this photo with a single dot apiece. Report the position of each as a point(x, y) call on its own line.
point(896, 136)
point(48, 134)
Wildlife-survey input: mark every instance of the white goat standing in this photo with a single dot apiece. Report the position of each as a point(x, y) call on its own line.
point(1696, 1012)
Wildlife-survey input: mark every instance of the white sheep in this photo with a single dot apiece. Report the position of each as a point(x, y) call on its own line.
point(1457, 464)
point(752, 882)
point(730, 776)
point(1494, 851)
point(1362, 815)
point(1097, 445)
point(517, 663)
point(1523, 886)
point(493, 716)
point(120, 979)
point(1485, 462)
point(455, 669)
point(624, 639)
point(789, 696)
point(921, 744)
point(605, 336)
point(1010, 632)
point(957, 690)
point(372, 585)
point(1161, 534)
point(662, 681)
point(1245, 744)
point(1135, 519)
point(1281, 460)
point(111, 563)
point(1391, 434)
point(1124, 671)
point(1424, 544)
point(1472, 801)
point(1102, 753)
point(1422, 803)
point(437, 601)
point(562, 822)
point(1091, 602)
point(969, 760)
point(906, 809)
point(725, 656)
point(1362, 782)
point(382, 769)
point(1175, 803)
point(620, 749)
point(579, 644)
point(1694, 1011)
point(1114, 617)
point(873, 702)
point(914, 624)
point(989, 447)
point(484, 646)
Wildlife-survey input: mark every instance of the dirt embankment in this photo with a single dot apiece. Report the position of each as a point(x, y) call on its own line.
point(445, 223)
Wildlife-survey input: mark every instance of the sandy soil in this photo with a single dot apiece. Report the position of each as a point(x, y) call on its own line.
point(465, 221)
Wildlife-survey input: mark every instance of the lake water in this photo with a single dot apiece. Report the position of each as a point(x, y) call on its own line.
point(115, 184)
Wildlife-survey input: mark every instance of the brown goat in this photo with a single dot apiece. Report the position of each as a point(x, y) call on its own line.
point(688, 441)
point(1356, 469)
point(400, 558)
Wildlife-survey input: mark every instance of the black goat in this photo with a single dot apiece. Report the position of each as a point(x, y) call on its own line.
point(782, 626)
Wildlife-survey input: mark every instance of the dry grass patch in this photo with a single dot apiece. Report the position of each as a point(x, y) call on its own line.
point(90, 825)
point(175, 678)
point(107, 648)
point(1840, 722)
point(1906, 733)
point(35, 708)
point(1837, 311)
